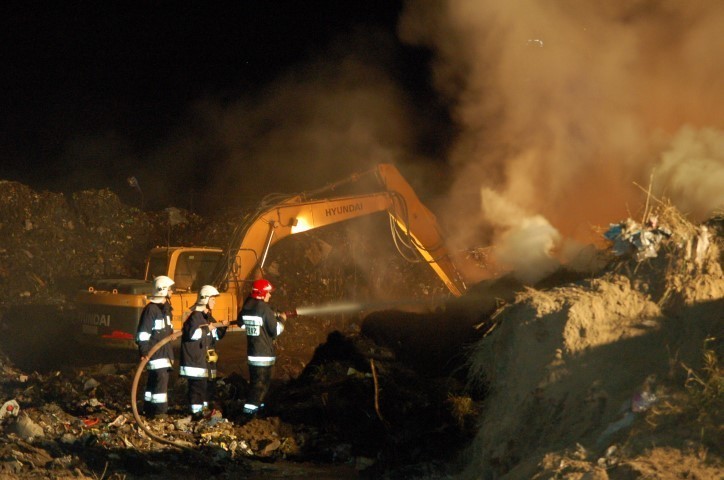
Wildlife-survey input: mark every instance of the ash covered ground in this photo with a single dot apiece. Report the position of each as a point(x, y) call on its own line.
point(508, 381)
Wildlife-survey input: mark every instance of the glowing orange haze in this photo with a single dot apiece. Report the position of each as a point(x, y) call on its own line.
point(564, 105)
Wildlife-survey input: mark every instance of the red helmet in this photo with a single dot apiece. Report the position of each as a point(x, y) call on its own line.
point(260, 288)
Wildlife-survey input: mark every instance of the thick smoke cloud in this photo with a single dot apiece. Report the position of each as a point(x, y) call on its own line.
point(691, 172)
point(563, 105)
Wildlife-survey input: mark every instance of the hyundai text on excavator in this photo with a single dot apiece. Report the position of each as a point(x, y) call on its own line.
point(109, 310)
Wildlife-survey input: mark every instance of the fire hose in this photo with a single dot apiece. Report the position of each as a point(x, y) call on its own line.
point(134, 390)
point(309, 310)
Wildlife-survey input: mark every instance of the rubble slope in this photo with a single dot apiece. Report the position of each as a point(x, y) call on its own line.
point(589, 380)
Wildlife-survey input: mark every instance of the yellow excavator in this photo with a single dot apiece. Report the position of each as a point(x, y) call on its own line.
point(109, 310)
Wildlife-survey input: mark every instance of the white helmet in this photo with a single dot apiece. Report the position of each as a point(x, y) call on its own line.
point(161, 286)
point(206, 292)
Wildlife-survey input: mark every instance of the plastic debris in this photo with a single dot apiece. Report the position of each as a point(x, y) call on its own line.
point(9, 409)
point(641, 400)
point(26, 428)
point(90, 384)
point(631, 239)
point(90, 422)
point(698, 246)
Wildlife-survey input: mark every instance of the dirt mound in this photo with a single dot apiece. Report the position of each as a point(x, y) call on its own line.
point(587, 378)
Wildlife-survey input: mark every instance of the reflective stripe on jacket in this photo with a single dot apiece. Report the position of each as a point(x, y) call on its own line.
point(153, 326)
point(262, 328)
point(196, 340)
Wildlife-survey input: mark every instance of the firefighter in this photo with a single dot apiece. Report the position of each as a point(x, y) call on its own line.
point(198, 357)
point(262, 327)
point(153, 326)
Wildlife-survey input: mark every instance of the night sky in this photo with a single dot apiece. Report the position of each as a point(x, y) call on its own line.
point(89, 89)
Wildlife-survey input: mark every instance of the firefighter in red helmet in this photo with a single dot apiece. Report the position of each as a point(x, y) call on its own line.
point(262, 326)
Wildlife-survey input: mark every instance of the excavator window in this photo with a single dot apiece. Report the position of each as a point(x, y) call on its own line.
point(157, 265)
point(194, 269)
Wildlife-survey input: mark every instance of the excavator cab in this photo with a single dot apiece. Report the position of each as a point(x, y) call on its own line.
point(190, 268)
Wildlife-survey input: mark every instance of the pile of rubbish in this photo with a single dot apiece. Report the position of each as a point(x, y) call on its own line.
point(50, 244)
point(631, 239)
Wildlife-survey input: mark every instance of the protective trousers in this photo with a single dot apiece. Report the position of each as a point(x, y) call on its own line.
point(198, 388)
point(155, 398)
point(260, 380)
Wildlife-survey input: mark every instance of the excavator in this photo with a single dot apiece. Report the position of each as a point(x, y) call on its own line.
point(109, 310)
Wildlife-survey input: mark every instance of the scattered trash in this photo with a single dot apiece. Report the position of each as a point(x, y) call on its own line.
point(610, 458)
point(119, 421)
point(26, 428)
point(175, 216)
point(631, 239)
point(271, 447)
point(641, 401)
point(9, 409)
point(90, 422)
point(90, 384)
point(698, 246)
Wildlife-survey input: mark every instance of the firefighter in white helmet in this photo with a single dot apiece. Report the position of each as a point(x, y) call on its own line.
point(153, 326)
point(262, 326)
point(198, 358)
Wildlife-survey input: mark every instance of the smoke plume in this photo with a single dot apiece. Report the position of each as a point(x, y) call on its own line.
point(691, 172)
point(563, 105)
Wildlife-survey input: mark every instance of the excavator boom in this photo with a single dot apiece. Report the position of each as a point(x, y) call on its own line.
point(415, 225)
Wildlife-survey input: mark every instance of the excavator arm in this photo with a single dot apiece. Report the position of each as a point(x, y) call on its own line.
point(414, 226)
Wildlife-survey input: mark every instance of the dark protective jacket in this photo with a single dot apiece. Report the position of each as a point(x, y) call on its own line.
point(196, 340)
point(153, 326)
point(262, 328)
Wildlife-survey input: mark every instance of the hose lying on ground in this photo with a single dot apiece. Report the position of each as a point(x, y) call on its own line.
point(134, 390)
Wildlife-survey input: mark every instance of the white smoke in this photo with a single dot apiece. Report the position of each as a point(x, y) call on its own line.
point(564, 105)
point(691, 172)
point(524, 242)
